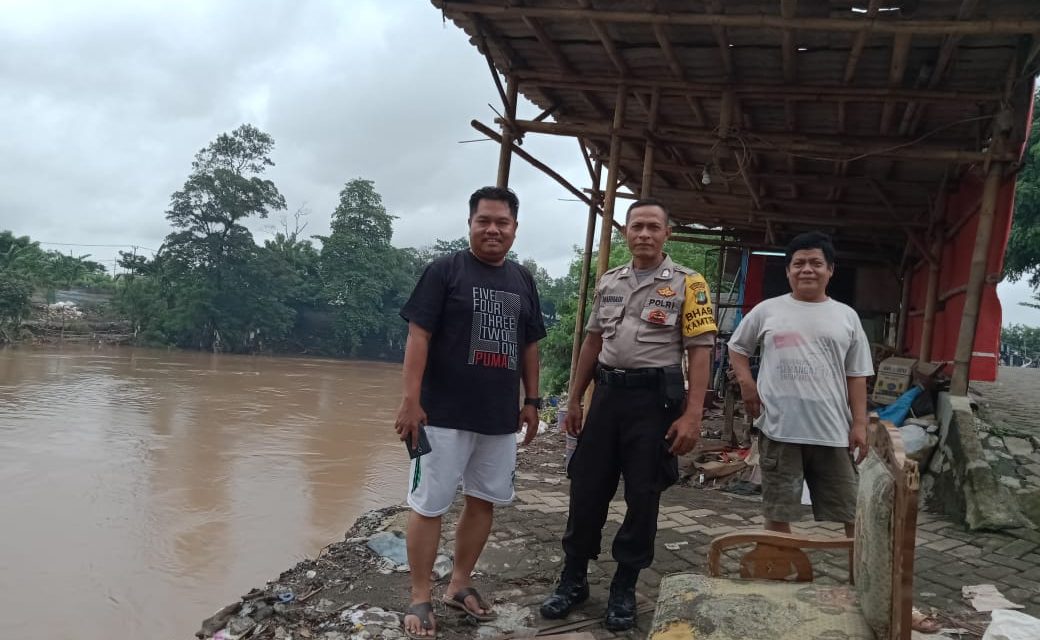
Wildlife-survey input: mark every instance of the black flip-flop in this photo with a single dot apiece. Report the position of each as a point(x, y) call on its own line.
point(458, 601)
point(423, 611)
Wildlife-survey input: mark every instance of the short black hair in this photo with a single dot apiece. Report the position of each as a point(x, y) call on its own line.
point(501, 194)
point(648, 202)
point(810, 240)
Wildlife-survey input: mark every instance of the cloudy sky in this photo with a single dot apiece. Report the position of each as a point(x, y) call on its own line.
point(104, 104)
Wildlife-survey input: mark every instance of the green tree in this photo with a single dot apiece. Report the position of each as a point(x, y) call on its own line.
point(220, 290)
point(1022, 258)
point(364, 276)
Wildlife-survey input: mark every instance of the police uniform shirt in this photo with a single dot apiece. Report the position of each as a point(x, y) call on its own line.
point(650, 323)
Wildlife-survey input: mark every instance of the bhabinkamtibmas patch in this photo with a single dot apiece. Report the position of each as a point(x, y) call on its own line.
point(697, 313)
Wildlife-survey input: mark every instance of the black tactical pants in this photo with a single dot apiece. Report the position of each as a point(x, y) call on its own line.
point(624, 436)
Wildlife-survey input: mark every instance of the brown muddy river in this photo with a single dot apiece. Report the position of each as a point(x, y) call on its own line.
point(144, 489)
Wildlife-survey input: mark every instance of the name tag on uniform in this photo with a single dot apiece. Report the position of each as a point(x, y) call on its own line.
point(660, 310)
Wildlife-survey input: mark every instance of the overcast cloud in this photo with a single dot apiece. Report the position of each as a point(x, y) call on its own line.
point(104, 104)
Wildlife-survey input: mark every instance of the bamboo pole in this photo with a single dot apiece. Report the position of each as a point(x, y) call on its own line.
point(648, 154)
point(603, 263)
point(506, 151)
point(976, 281)
point(931, 299)
point(837, 148)
point(1007, 26)
point(934, 262)
point(904, 309)
point(586, 267)
point(678, 86)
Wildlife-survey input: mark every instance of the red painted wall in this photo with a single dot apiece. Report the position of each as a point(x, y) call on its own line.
point(954, 270)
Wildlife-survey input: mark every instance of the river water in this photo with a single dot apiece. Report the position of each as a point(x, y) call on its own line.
point(144, 489)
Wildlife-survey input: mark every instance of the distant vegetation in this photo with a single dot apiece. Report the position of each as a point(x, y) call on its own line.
point(210, 286)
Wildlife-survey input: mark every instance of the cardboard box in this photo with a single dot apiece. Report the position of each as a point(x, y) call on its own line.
point(894, 377)
point(897, 366)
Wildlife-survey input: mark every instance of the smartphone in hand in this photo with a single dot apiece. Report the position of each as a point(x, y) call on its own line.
point(424, 444)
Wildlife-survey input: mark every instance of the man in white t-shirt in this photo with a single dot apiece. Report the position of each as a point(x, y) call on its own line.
point(810, 399)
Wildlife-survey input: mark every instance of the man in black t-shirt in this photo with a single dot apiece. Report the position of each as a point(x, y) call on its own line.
point(474, 322)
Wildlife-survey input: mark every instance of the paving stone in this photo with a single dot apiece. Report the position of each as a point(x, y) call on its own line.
point(693, 528)
point(1017, 549)
point(700, 513)
point(943, 544)
point(993, 572)
point(965, 551)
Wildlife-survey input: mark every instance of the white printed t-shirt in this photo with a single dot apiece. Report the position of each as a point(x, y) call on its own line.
point(808, 350)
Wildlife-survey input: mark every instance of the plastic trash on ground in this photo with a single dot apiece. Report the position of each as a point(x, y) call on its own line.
point(1012, 625)
point(390, 545)
point(897, 412)
point(986, 597)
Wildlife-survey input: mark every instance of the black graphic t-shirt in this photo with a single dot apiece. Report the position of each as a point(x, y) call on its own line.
point(481, 317)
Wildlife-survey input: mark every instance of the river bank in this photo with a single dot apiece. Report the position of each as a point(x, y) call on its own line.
point(348, 591)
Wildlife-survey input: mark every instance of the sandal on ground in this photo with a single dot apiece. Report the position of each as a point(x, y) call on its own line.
point(424, 612)
point(458, 601)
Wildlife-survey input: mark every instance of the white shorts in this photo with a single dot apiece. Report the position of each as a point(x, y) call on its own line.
point(484, 465)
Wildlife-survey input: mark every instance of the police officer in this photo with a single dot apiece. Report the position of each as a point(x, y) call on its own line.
point(645, 315)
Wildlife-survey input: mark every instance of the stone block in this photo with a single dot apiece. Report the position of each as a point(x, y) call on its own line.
point(1018, 446)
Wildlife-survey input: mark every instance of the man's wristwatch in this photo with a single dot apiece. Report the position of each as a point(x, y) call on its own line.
point(534, 402)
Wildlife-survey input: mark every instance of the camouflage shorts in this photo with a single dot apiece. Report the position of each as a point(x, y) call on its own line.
point(829, 471)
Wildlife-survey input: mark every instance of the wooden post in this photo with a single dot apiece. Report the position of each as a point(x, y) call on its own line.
point(931, 300)
point(648, 154)
point(607, 228)
point(976, 281)
point(904, 309)
point(586, 267)
point(505, 154)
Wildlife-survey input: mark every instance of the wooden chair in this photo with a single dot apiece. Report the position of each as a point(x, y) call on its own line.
point(776, 598)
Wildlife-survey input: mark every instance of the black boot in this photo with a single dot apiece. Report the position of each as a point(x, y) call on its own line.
point(572, 590)
point(621, 604)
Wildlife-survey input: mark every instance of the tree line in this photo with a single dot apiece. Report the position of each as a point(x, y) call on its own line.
point(212, 286)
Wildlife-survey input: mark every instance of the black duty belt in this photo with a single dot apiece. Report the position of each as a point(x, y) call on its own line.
point(629, 378)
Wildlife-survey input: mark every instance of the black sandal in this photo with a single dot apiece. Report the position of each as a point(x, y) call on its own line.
point(423, 611)
point(458, 601)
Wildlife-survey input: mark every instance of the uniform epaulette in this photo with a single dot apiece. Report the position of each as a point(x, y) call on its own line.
point(615, 269)
point(682, 269)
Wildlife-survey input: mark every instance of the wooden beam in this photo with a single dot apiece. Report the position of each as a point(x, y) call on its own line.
point(608, 43)
point(914, 111)
point(612, 183)
point(859, 43)
point(976, 282)
point(679, 86)
point(863, 256)
point(843, 148)
point(646, 186)
point(714, 8)
point(705, 214)
point(895, 216)
point(549, 44)
point(931, 298)
point(669, 53)
point(534, 162)
point(852, 24)
point(505, 152)
point(788, 9)
point(896, 71)
point(586, 267)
